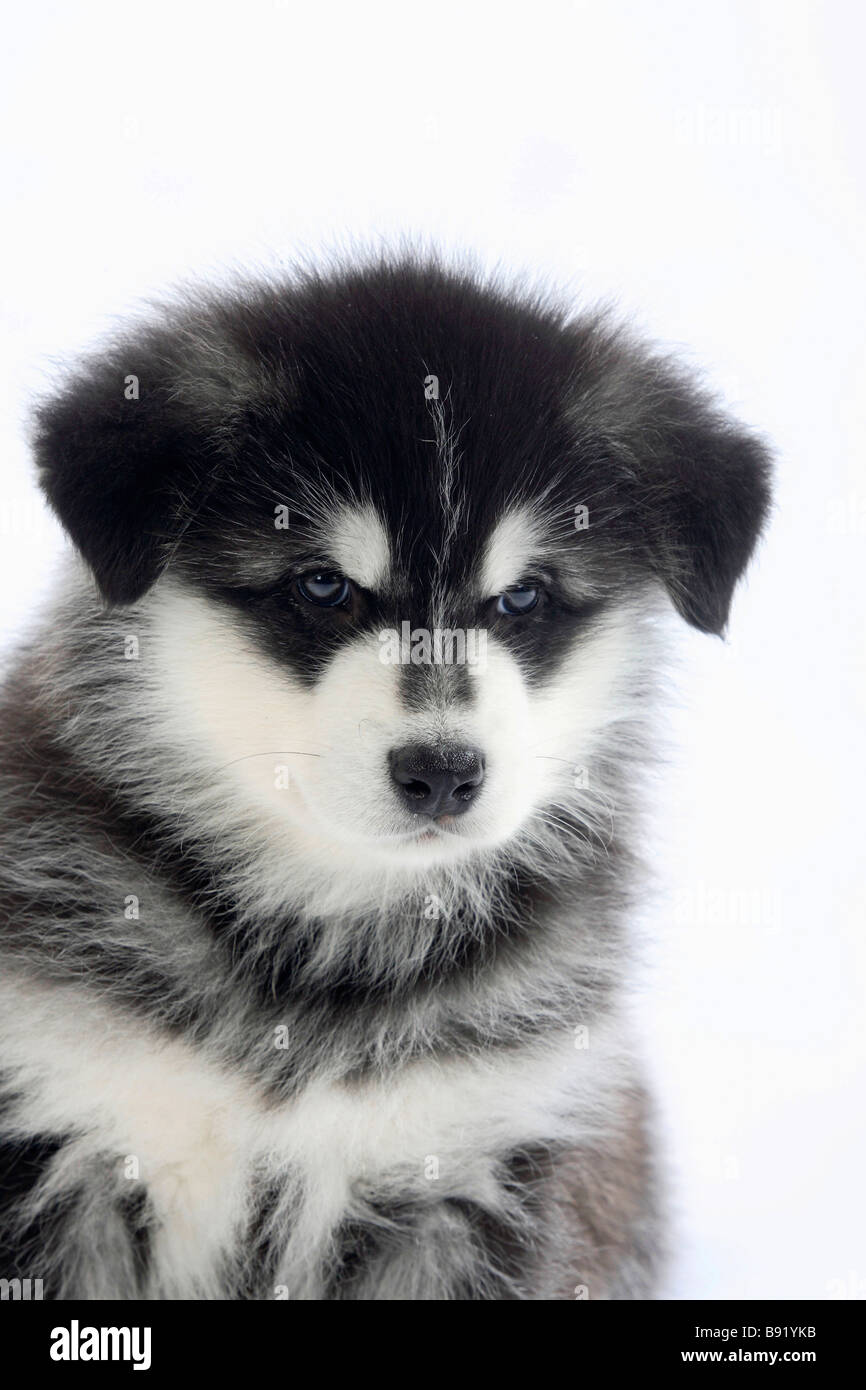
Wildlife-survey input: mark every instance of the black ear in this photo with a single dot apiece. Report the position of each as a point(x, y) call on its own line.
point(695, 484)
point(706, 497)
point(132, 444)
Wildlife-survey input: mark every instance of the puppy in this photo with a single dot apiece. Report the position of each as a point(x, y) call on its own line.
point(317, 818)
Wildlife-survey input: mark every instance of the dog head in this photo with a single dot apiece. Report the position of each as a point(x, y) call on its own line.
point(401, 535)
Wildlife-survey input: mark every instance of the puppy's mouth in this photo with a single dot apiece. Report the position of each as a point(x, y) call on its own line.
point(434, 830)
point(440, 828)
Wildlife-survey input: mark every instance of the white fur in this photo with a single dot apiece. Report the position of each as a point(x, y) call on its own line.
point(358, 543)
point(513, 545)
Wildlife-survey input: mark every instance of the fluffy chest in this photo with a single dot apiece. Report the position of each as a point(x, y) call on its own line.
point(201, 1141)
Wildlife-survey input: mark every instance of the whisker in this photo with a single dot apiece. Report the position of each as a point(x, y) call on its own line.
point(270, 753)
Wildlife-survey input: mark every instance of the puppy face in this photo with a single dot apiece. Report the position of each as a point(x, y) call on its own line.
point(405, 531)
point(425, 723)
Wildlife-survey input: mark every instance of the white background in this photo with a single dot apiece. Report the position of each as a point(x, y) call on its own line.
point(704, 166)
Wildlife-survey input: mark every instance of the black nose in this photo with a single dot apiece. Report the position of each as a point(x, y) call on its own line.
point(437, 781)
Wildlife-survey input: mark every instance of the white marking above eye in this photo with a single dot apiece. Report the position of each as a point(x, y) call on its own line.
point(511, 549)
point(358, 543)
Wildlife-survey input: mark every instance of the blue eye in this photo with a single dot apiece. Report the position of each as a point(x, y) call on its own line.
point(324, 589)
point(521, 599)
